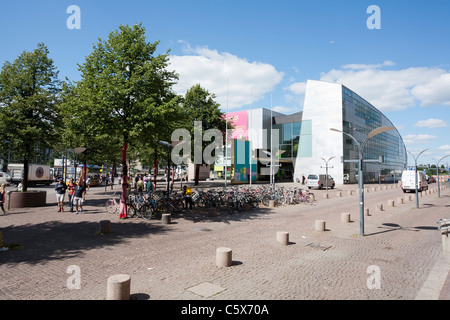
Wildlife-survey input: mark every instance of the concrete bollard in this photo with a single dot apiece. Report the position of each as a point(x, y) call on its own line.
point(166, 218)
point(391, 203)
point(408, 198)
point(326, 196)
point(118, 287)
point(271, 203)
point(223, 257)
point(339, 193)
point(320, 225)
point(367, 212)
point(105, 227)
point(445, 242)
point(345, 217)
point(400, 200)
point(350, 192)
point(379, 207)
point(283, 237)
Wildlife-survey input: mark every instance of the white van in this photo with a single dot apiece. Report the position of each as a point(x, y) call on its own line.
point(319, 181)
point(408, 181)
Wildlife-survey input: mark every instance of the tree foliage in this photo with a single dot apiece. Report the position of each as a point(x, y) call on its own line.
point(29, 97)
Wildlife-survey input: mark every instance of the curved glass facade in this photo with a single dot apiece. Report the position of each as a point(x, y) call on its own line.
point(359, 119)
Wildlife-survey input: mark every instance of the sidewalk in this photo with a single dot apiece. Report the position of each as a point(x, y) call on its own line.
point(177, 261)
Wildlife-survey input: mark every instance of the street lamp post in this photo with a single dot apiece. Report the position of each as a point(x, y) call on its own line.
point(437, 172)
point(326, 167)
point(415, 171)
point(360, 170)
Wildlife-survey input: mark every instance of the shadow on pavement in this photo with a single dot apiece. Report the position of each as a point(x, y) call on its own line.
point(54, 240)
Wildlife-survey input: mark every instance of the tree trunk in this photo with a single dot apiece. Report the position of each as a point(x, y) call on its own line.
point(123, 198)
point(197, 174)
point(25, 174)
point(155, 169)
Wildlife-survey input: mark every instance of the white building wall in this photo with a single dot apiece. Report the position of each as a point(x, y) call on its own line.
point(322, 110)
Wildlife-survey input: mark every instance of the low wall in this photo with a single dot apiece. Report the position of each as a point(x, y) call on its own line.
point(17, 199)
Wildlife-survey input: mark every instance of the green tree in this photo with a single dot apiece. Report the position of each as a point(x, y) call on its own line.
point(29, 99)
point(200, 105)
point(125, 91)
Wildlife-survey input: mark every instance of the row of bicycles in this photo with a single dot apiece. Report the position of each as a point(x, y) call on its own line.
point(232, 199)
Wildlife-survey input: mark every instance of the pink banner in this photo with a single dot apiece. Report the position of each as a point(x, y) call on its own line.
point(239, 121)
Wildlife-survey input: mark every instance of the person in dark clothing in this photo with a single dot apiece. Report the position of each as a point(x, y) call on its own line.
point(187, 198)
point(60, 192)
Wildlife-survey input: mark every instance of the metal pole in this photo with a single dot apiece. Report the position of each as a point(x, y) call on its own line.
point(361, 194)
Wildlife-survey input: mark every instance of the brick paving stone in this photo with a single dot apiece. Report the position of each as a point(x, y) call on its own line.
point(164, 261)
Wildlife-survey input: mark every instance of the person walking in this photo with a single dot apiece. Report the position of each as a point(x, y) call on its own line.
point(70, 192)
point(149, 188)
point(187, 198)
point(79, 196)
point(60, 193)
point(2, 197)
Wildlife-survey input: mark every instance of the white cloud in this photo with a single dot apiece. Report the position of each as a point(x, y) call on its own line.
point(445, 147)
point(390, 90)
point(418, 139)
point(229, 77)
point(431, 123)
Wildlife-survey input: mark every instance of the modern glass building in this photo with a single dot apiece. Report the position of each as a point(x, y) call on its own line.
point(305, 139)
point(331, 105)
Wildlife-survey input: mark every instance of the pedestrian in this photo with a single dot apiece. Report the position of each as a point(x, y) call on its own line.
point(79, 196)
point(88, 182)
point(70, 191)
point(60, 193)
point(187, 198)
point(2, 197)
point(149, 188)
point(20, 186)
point(303, 179)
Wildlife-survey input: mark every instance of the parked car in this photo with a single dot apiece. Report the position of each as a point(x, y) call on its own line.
point(5, 178)
point(408, 182)
point(319, 181)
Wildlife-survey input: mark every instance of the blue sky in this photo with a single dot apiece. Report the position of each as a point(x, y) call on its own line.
point(262, 52)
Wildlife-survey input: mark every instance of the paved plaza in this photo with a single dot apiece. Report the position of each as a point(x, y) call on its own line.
point(399, 258)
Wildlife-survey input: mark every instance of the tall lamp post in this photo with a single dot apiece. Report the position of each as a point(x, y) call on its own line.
point(360, 170)
point(415, 170)
point(326, 167)
point(437, 172)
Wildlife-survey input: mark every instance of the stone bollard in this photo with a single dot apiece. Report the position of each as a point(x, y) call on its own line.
point(326, 196)
point(105, 227)
point(350, 192)
point(283, 237)
point(400, 200)
point(223, 257)
point(271, 203)
point(445, 242)
point(408, 198)
point(339, 193)
point(212, 212)
point(379, 207)
point(166, 218)
point(367, 212)
point(118, 287)
point(374, 189)
point(320, 225)
point(345, 217)
point(391, 203)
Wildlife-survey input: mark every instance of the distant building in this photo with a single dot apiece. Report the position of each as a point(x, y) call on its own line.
point(304, 138)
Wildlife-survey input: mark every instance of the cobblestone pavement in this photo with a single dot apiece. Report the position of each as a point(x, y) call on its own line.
point(177, 261)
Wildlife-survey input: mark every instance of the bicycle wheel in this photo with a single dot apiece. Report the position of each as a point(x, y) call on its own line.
point(146, 212)
point(111, 206)
point(309, 199)
point(266, 200)
point(131, 211)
